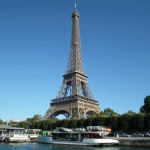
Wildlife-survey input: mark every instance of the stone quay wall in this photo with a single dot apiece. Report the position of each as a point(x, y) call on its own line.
point(132, 141)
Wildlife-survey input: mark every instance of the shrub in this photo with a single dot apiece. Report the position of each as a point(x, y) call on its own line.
point(64, 123)
point(112, 121)
point(81, 123)
point(100, 120)
point(23, 124)
point(138, 121)
point(125, 121)
point(73, 123)
point(90, 121)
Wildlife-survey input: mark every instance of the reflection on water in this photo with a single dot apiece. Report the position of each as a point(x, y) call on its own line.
point(37, 146)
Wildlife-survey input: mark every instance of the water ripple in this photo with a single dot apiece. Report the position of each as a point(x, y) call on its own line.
point(37, 146)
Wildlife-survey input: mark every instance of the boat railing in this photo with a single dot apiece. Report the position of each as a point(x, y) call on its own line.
point(32, 134)
point(16, 135)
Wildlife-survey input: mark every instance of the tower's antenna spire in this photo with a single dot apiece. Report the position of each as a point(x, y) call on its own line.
point(75, 6)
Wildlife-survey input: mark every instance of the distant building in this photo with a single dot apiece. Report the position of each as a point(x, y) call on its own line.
point(8, 130)
point(14, 122)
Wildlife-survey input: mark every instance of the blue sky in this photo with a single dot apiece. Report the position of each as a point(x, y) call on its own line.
point(34, 48)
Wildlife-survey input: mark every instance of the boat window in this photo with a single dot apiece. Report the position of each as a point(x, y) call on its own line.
point(64, 136)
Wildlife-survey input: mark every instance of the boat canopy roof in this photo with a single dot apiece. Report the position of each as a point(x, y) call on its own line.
point(2, 127)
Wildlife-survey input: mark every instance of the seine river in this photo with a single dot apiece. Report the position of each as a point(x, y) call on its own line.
point(37, 146)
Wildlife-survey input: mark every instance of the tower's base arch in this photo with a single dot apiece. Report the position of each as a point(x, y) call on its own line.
point(74, 107)
point(59, 112)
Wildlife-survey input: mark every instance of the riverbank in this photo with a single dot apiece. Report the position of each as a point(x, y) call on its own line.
point(133, 141)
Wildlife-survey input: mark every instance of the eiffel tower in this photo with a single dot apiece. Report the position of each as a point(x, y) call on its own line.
point(74, 99)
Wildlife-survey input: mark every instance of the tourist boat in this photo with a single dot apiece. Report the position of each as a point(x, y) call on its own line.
point(76, 136)
point(14, 134)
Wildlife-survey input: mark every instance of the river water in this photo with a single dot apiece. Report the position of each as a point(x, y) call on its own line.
point(37, 146)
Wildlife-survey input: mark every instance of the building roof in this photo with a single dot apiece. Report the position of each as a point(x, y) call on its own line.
point(8, 127)
point(15, 120)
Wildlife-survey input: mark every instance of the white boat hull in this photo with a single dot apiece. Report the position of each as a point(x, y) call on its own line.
point(17, 139)
point(86, 141)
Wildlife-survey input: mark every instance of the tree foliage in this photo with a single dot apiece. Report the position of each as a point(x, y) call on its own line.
point(73, 123)
point(126, 121)
point(81, 123)
point(1, 121)
point(92, 114)
point(142, 110)
point(100, 120)
point(109, 111)
point(23, 124)
point(112, 121)
point(90, 121)
point(147, 104)
point(138, 121)
point(37, 124)
point(131, 112)
point(36, 117)
point(103, 113)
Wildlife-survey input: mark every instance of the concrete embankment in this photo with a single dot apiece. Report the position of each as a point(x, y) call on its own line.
point(133, 141)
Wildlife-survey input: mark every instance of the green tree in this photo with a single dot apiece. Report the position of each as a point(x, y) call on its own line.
point(46, 124)
point(36, 117)
point(103, 113)
point(54, 119)
point(1, 121)
point(73, 123)
point(37, 124)
point(56, 124)
point(112, 121)
point(147, 104)
point(81, 123)
point(131, 112)
point(30, 120)
point(142, 110)
point(23, 124)
point(100, 120)
point(6, 122)
point(109, 111)
point(64, 122)
point(126, 121)
point(90, 121)
point(138, 121)
point(92, 114)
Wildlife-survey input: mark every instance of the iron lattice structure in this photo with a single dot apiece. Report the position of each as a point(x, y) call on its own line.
point(74, 98)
